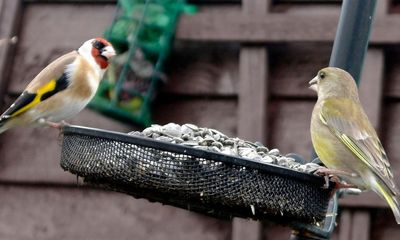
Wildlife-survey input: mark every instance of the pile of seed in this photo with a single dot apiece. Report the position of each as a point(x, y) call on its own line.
point(213, 140)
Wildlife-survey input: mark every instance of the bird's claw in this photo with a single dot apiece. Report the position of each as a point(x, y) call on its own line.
point(330, 175)
point(322, 171)
point(58, 125)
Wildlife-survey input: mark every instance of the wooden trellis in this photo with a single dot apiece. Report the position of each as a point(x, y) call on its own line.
point(267, 80)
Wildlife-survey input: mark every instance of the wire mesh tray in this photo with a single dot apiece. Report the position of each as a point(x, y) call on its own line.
point(202, 181)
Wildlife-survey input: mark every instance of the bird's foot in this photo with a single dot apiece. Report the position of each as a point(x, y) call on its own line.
point(340, 184)
point(323, 171)
point(331, 175)
point(58, 125)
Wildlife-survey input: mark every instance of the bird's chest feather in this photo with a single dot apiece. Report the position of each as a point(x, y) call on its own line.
point(327, 146)
point(83, 84)
point(323, 143)
point(85, 80)
point(70, 108)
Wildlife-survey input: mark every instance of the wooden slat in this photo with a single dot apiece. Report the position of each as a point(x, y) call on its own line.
point(371, 85)
point(30, 212)
point(9, 19)
point(304, 9)
point(392, 73)
point(203, 69)
point(360, 225)
point(293, 65)
point(70, 1)
point(253, 93)
point(354, 225)
point(212, 69)
point(278, 27)
point(274, 231)
point(308, 1)
point(258, 7)
point(345, 225)
point(289, 124)
point(384, 226)
point(367, 199)
point(249, 28)
point(382, 8)
point(382, 32)
point(253, 73)
point(245, 229)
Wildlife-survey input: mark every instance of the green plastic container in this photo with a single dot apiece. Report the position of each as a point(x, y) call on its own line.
point(141, 32)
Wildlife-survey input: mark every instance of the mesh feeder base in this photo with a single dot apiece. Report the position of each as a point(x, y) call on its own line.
point(206, 182)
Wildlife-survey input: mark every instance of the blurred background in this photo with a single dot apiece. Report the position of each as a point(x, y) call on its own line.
point(241, 67)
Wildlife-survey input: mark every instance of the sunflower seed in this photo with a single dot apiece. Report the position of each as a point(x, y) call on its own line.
point(213, 140)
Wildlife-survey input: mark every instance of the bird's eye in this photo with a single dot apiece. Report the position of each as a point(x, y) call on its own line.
point(322, 75)
point(98, 45)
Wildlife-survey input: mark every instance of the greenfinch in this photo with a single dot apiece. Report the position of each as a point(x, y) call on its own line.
point(345, 140)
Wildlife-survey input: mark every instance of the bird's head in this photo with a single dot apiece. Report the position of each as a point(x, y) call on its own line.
point(98, 49)
point(334, 82)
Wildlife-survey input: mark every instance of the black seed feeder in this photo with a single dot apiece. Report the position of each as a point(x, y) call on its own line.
point(212, 183)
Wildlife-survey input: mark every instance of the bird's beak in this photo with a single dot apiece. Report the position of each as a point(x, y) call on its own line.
point(108, 52)
point(313, 84)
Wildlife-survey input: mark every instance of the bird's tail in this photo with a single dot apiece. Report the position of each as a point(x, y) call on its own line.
point(389, 195)
point(6, 123)
point(3, 129)
point(2, 126)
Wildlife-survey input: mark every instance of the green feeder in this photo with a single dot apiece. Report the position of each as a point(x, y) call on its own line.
point(142, 33)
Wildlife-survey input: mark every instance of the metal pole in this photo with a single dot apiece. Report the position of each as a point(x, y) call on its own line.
point(352, 36)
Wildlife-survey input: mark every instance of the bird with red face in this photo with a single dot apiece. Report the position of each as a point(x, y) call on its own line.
point(62, 89)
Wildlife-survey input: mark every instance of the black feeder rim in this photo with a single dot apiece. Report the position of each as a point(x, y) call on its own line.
point(202, 181)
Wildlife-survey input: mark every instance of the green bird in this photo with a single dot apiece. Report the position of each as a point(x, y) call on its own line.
point(345, 140)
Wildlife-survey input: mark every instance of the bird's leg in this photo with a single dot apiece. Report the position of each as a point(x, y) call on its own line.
point(331, 175)
point(340, 184)
point(56, 125)
point(323, 171)
point(326, 184)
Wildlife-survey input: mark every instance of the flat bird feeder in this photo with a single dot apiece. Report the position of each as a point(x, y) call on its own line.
point(198, 180)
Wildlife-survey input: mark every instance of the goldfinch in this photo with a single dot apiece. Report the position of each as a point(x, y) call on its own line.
point(345, 140)
point(62, 89)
